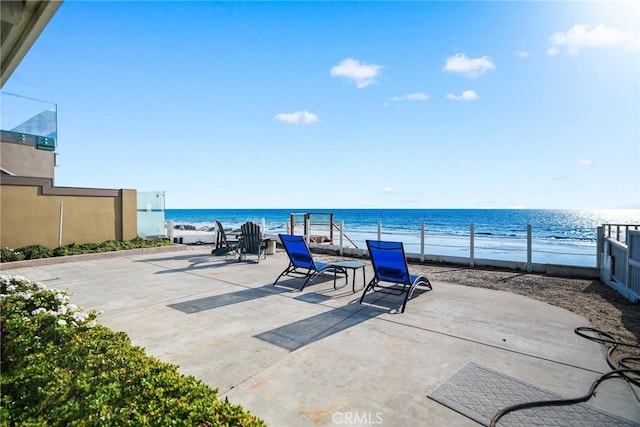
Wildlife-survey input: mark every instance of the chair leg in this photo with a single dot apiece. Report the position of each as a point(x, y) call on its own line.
point(284, 273)
point(309, 277)
point(406, 298)
point(369, 286)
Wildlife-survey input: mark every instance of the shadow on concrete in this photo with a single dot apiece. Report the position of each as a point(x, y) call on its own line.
point(188, 257)
point(390, 301)
point(306, 331)
point(216, 301)
point(297, 282)
point(196, 263)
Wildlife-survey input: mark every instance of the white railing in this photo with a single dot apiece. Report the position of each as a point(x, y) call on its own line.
point(520, 254)
point(618, 232)
point(620, 259)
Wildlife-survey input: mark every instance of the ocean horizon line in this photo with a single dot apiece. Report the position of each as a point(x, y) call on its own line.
point(563, 236)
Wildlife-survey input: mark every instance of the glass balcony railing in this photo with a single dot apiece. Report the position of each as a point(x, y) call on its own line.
point(29, 121)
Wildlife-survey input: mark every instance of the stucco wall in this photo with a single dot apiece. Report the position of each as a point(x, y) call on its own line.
point(30, 213)
point(26, 160)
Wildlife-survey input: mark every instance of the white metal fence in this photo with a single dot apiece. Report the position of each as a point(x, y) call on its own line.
point(620, 259)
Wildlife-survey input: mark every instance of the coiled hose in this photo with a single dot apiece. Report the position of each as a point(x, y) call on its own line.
point(620, 369)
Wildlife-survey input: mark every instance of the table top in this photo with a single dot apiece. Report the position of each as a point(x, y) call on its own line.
point(349, 264)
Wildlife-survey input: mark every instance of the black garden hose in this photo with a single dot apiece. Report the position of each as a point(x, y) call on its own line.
point(632, 376)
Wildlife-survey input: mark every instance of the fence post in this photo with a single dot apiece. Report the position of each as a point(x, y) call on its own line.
point(629, 280)
point(307, 231)
point(422, 242)
point(472, 261)
point(529, 248)
point(264, 228)
point(168, 225)
point(599, 246)
point(341, 233)
point(379, 230)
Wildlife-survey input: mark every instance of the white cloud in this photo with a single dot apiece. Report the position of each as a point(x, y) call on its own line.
point(472, 67)
point(585, 162)
point(418, 96)
point(467, 95)
point(360, 74)
point(522, 54)
point(297, 118)
point(552, 51)
point(389, 190)
point(346, 180)
point(582, 35)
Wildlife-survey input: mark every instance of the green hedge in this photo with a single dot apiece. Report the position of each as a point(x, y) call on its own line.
point(39, 251)
point(60, 368)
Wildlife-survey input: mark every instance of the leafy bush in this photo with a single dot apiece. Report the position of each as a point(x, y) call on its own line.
point(60, 368)
point(8, 255)
point(36, 251)
point(39, 251)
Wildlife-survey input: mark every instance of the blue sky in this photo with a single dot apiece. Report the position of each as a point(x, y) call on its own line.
point(335, 105)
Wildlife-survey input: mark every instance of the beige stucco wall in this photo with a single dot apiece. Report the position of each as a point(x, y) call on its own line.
point(28, 216)
point(129, 206)
point(26, 160)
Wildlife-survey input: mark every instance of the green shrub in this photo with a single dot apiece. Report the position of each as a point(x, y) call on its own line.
point(39, 251)
point(36, 251)
point(59, 368)
point(8, 255)
point(113, 245)
point(60, 251)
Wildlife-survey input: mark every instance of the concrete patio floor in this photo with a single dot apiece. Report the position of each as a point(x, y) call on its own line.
point(318, 357)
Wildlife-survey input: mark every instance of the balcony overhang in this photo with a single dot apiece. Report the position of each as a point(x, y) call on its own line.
point(21, 22)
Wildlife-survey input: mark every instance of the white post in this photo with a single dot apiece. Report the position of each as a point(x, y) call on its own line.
point(288, 226)
point(60, 224)
point(599, 247)
point(529, 248)
point(341, 236)
point(422, 241)
point(308, 230)
point(472, 261)
point(263, 230)
point(169, 226)
point(379, 230)
point(628, 281)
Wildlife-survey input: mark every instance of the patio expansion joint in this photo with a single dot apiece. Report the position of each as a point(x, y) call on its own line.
point(484, 344)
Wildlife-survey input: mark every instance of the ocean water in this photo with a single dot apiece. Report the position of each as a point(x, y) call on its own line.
point(566, 237)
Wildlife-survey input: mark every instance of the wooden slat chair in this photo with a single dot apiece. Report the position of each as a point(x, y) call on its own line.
point(222, 245)
point(251, 241)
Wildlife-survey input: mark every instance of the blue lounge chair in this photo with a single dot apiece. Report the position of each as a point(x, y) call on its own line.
point(390, 265)
point(301, 262)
